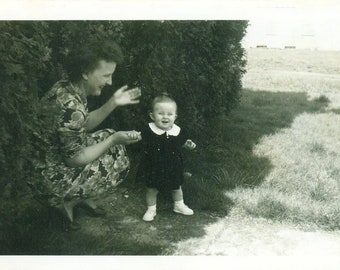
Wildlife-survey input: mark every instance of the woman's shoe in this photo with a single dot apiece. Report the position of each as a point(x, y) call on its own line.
point(74, 226)
point(66, 210)
point(60, 218)
point(68, 226)
point(97, 212)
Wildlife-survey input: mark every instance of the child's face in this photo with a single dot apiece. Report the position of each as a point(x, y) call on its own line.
point(164, 115)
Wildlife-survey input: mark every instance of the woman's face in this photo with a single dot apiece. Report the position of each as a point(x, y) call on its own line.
point(164, 115)
point(94, 81)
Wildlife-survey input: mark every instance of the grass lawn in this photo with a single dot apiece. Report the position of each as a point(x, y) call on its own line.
point(231, 163)
point(303, 185)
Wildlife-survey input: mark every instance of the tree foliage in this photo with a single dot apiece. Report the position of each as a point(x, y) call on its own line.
point(200, 63)
point(24, 56)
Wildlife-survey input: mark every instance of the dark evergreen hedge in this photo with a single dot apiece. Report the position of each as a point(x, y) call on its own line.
point(200, 63)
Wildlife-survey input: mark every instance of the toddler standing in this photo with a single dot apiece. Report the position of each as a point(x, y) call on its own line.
point(161, 166)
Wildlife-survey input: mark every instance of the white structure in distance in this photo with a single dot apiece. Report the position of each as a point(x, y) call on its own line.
point(299, 34)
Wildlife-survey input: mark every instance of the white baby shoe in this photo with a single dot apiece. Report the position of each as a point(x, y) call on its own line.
point(149, 214)
point(181, 208)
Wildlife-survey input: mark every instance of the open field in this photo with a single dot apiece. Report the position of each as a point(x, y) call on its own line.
point(313, 72)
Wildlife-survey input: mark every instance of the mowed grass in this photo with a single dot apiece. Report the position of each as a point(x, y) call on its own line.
point(303, 183)
point(324, 62)
point(306, 71)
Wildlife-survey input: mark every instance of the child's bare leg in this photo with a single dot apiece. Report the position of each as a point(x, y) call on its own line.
point(151, 200)
point(179, 206)
point(177, 195)
point(151, 196)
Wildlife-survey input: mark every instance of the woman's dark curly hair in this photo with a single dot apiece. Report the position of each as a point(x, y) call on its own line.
point(86, 58)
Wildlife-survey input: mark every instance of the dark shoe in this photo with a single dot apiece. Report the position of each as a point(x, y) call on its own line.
point(66, 225)
point(96, 212)
point(71, 226)
point(59, 220)
point(74, 226)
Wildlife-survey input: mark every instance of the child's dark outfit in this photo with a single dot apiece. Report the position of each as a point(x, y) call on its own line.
point(161, 165)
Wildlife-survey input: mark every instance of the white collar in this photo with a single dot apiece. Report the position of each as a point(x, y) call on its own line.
point(174, 131)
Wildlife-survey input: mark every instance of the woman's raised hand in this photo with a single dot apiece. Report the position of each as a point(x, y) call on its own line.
point(126, 137)
point(124, 96)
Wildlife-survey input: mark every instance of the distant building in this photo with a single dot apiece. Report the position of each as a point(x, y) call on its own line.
point(320, 35)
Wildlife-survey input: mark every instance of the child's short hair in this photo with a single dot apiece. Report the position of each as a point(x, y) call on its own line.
point(163, 97)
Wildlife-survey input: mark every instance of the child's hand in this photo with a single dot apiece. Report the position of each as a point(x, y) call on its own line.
point(126, 137)
point(189, 144)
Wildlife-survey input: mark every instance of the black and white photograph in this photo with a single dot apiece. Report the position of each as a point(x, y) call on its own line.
point(170, 134)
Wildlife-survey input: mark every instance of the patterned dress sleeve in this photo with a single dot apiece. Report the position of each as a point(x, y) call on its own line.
point(72, 132)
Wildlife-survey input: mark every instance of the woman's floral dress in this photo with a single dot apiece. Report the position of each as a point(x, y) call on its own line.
point(67, 139)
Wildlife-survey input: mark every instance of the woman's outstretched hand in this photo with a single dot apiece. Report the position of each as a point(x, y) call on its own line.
point(126, 137)
point(124, 96)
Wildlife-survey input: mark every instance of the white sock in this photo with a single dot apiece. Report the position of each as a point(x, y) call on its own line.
point(152, 207)
point(181, 202)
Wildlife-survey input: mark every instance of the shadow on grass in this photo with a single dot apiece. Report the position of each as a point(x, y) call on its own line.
point(223, 160)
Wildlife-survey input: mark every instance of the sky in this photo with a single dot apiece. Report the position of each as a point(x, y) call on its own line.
point(312, 26)
point(300, 34)
point(274, 23)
